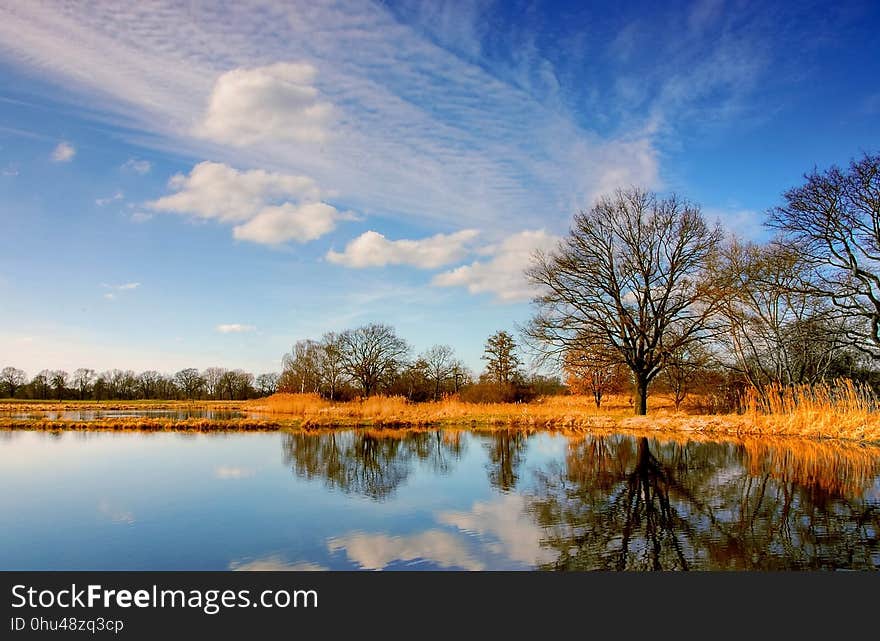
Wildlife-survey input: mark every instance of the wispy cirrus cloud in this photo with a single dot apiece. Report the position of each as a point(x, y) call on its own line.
point(393, 118)
point(115, 290)
point(117, 196)
point(137, 166)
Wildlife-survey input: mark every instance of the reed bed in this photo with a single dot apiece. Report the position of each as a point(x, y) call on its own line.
point(841, 410)
point(844, 411)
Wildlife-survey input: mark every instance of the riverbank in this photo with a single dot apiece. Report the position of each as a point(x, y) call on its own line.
point(817, 417)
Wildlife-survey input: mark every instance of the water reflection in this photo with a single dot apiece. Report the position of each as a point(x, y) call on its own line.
point(369, 463)
point(179, 414)
point(435, 499)
point(506, 450)
point(619, 503)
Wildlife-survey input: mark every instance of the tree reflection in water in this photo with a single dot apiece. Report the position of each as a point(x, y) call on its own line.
point(370, 463)
point(621, 503)
point(506, 451)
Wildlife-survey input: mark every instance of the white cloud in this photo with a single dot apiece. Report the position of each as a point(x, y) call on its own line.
point(273, 103)
point(501, 275)
point(110, 199)
point(258, 201)
point(10, 170)
point(377, 551)
point(216, 190)
point(234, 328)
point(137, 166)
point(419, 129)
point(275, 225)
point(64, 152)
point(372, 249)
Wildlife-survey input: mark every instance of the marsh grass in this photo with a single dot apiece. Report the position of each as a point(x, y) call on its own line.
point(842, 411)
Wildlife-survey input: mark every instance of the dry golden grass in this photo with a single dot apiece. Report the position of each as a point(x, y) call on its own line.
point(824, 411)
point(841, 411)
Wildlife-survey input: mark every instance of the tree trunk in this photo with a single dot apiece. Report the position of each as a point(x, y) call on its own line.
point(641, 404)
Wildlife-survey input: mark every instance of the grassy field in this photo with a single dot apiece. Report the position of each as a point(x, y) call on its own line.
point(845, 412)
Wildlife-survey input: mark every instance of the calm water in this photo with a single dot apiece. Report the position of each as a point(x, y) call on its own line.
point(179, 414)
point(432, 500)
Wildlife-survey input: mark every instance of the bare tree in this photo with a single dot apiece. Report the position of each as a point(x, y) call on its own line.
point(682, 369)
point(438, 366)
point(148, 384)
point(502, 362)
point(460, 375)
point(267, 384)
point(190, 382)
point(833, 221)
point(82, 380)
point(41, 382)
point(630, 274)
point(332, 364)
point(58, 380)
point(593, 368)
point(13, 378)
point(302, 367)
point(775, 329)
point(212, 377)
point(372, 353)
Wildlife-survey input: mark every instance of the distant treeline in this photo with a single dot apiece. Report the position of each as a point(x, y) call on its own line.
point(359, 362)
point(642, 294)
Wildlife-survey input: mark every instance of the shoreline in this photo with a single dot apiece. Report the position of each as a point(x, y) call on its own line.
point(568, 414)
point(698, 427)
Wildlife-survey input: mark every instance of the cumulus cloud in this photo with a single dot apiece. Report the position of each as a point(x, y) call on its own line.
point(234, 328)
point(216, 190)
point(258, 201)
point(64, 152)
point(110, 199)
point(137, 166)
point(273, 103)
point(372, 249)
point(502, 274)
point(275, 225)
point(377, 551)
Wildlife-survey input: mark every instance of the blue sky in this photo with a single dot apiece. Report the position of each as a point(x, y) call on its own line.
point(204, 186)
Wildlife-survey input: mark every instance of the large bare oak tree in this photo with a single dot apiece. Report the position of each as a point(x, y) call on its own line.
point(630, 277)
